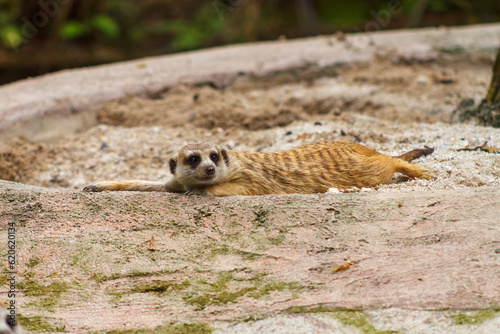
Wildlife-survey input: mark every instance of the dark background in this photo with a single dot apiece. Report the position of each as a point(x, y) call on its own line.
point(40, 36)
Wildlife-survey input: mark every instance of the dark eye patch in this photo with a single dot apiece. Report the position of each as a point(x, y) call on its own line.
point(214, 157)
point(226, 157)
point(193, 160)
point(173, 165)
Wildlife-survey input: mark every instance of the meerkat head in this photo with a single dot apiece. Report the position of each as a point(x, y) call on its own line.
point(199, 165)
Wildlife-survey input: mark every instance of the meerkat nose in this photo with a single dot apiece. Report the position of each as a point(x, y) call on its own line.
point(210, 170)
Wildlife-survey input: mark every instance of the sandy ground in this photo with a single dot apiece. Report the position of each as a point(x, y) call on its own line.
point(272, 253)
point(388, 107)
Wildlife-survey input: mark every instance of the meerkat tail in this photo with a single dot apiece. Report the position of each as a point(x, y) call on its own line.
point(130, 185)
point(414, 154)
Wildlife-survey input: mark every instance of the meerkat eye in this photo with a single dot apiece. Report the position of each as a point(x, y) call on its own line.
point(214, 157)
point(193, 160)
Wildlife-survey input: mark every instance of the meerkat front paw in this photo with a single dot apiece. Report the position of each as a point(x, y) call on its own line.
point(100, 186)
point(91, 188)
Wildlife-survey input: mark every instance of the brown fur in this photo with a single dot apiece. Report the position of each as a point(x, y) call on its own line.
point(309, 168)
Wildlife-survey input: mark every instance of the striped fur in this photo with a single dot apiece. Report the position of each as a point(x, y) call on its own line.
point(309, 168)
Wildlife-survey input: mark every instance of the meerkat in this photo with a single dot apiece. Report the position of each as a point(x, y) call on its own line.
point(207, 169)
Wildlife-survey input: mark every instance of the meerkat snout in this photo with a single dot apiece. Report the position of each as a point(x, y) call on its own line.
point(210, 170)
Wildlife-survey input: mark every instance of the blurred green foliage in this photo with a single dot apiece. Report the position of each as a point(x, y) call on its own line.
point(163, 26)
point(148, 27)
point(99, 23)
point(10, 36)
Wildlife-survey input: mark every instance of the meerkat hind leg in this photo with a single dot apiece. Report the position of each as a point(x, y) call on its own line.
point(232, 189)
point(413, 171)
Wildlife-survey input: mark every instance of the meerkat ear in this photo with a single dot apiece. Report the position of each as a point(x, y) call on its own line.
point(224, 154)
point(173, 165)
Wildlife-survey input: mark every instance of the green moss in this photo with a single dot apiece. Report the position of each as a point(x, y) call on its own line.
point(317, 309)
point(349, 317)
point(225, 250)
point(114, 276)
point(277, 240)
point(28, 275)
point(39, 324)
point(248, 256)
point(219, 292)
point(33, 262)
point(137, 273)
point(191, 328)
point(160, 287)
point(117, 295)
point(100, 278)
point(252, 317)
point(439, 309)
point(275, 286)
point(33, 288)
point(47, 303)
point(219, 298)
point(222, 281)
point(475, 318)
point(201, 292)
point(258, 277)
point(4, 276)
point(358, 319)
point(50, 293)
point(260, 219)
point(80, 255)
